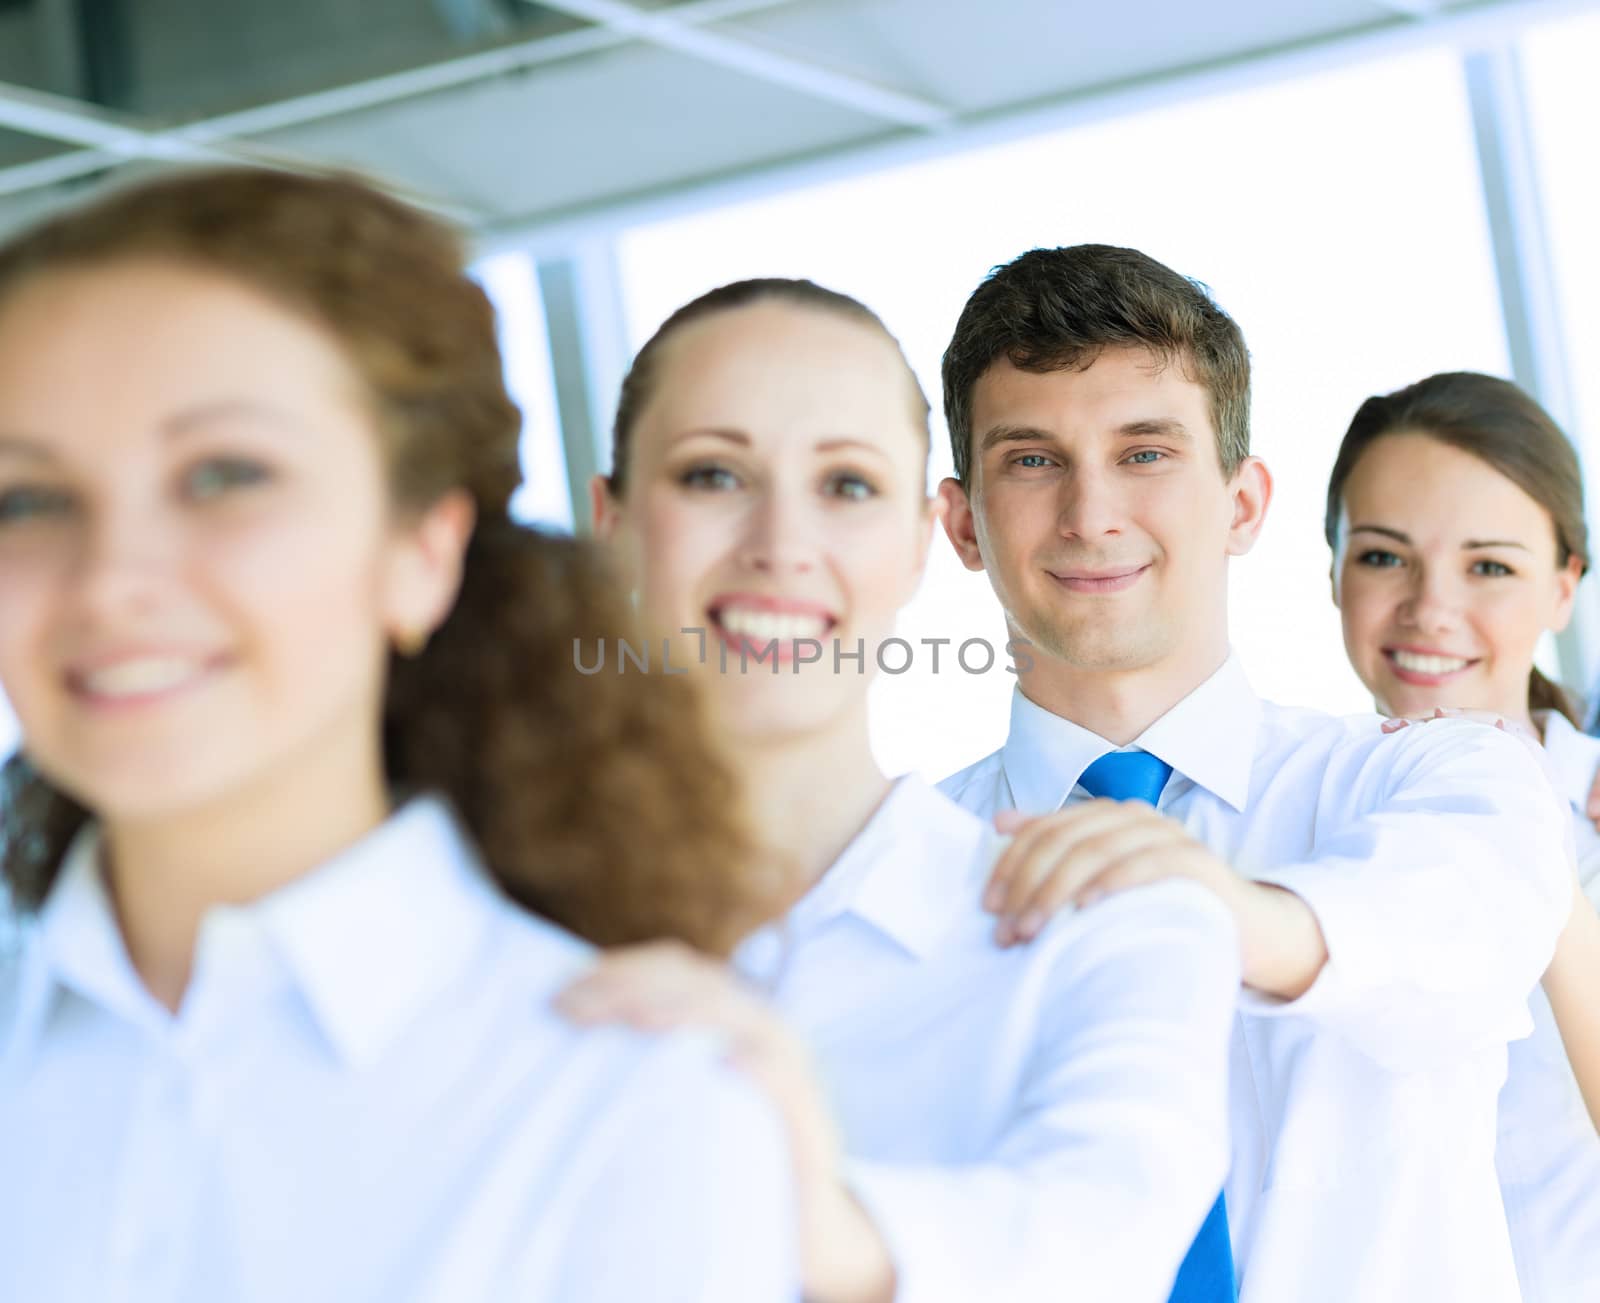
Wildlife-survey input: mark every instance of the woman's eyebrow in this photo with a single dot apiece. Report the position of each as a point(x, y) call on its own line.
point(1398, 535)
point(197, 417)
point(14, 445)
point(864, 445)
point(1469, 545)
point(712, 431)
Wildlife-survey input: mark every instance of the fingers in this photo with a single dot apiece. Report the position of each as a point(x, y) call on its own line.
point(658, 986)
point(1137, 869)
point(1010, 821)
point(666, 985)
point(1041, 871)
point(1038, 844)
point(1592, 806)
point(1025, 831)
point(1086, 862)
point(1512, 726)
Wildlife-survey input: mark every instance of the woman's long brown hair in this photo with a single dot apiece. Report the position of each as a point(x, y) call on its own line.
point(597, 800)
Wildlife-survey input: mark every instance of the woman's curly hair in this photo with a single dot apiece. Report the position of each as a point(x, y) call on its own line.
point(596, 800)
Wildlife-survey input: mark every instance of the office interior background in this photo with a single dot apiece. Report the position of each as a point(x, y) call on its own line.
point(1376, 190)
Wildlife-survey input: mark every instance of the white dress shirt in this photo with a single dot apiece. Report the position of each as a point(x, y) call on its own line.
point(1041, 1123)
point(366, 1096)
point(1548, 1153)
point(1574, 760)
point(1363, 1113)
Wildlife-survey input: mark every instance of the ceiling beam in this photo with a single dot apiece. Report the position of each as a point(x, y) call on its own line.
point(121, 138)
point(1413, 8)
point(116, 138)
point(1483, 24)
point(56, 117)
point(665, 28)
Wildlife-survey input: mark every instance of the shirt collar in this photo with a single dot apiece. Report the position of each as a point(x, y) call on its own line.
point(908, 873)
point(366, 939)
point(75, 947)
point(1573, 758)
point(1209, 737)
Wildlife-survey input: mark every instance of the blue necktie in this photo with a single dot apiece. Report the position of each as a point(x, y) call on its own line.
point(1206, 1275)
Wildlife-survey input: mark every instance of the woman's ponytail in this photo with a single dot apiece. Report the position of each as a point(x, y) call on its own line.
point(597, 799)
point(1543, 694)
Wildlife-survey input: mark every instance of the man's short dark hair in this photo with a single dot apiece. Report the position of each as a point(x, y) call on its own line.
point(1058, 309)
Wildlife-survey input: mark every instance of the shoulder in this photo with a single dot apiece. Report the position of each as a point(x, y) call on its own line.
point(1290, 727)
point(974, 788)
point(692, 1172)
point(1351, 743)
point(667, 1107)
point(10, 993)
point(1157, 962)
point(1178, 920)
point(639, 1075)
point(540, 955)
point(24, 989)
point(935, 807)
point(1478, 750)
point(942, 830)
point(1572, 756)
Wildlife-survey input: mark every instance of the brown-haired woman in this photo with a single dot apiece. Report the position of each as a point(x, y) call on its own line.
point(285, 669)
point(967, 1121)
point(1455, 515)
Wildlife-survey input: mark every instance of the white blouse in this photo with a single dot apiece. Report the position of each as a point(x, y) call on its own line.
point(366, 1095)
point(1548, 1154)
point(1035, 1124)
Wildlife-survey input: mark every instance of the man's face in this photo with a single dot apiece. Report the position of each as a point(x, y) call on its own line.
point(1099, 508)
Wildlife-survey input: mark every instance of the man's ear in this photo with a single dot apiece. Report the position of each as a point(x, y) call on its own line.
point(1251, 491)
point(960, 523)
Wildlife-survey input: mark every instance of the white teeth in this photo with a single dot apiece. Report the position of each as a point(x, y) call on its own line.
point(1428, 664)
point(764, 626)
point(140, 678)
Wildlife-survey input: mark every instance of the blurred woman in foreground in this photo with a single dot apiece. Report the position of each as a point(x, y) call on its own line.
point(300, 724)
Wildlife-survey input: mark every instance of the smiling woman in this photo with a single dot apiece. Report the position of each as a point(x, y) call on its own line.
point(1455, 514)
point(747, 511)
point(309, 796)
point(1455, 511)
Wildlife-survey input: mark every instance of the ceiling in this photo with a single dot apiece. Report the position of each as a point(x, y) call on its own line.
point(509, 114)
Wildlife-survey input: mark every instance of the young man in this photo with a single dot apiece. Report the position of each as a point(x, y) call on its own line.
point(1397, 896)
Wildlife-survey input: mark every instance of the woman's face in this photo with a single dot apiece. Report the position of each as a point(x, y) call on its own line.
point(198, 573)
point(1445, 577)
point(777, 495)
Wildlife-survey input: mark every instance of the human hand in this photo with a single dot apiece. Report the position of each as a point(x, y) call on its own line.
point(666, 985)
point(1075, 857)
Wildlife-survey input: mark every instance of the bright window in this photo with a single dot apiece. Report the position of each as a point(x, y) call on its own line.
point(1339, 218)
point(1564, 103)
point(510, 281)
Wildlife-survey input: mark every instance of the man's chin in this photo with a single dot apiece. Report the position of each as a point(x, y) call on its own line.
point(1092, 650)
